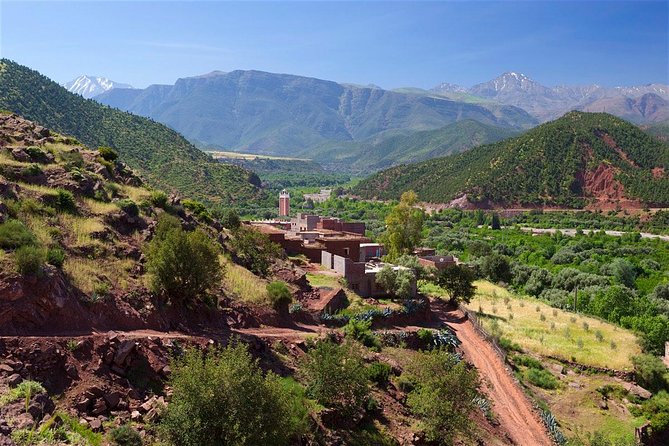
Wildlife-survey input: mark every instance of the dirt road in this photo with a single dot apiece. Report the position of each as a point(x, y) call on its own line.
point(513, 409)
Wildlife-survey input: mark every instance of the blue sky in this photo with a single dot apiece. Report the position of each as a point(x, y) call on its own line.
point(389, 44)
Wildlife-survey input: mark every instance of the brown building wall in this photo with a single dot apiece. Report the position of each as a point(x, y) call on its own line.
point(344, 248)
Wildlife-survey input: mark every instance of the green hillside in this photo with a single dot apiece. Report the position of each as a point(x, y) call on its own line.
point(162, 156)
point(578, 158)
point(659, 130)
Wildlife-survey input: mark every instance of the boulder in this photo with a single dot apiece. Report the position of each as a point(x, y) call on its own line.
point(41, 405)
point(21, 155)
point(14, 380)
point(113, 399)
point(123, 351)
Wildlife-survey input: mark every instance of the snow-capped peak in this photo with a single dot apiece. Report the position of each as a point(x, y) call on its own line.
point(89, 86)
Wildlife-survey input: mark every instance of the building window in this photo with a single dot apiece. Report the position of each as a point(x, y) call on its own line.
point(346, 251)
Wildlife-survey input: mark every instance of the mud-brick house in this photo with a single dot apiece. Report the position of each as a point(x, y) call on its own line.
point(438, 262)
point(371, 251)
point(360, 276)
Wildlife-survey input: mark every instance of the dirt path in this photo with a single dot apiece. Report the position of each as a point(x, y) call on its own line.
point(510, 404)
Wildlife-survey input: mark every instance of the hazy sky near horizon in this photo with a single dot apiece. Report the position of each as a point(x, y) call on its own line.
point(391, 44)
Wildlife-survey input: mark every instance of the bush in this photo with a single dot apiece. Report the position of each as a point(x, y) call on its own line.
point(222, 398)
point(541, 378)
point(379, 373)
point(230, 219)
point(336, 377)
point(14, 234)
point(279, 294)
point(651, 373)
point(497, 268)
point(63, 201)
point(443, 396)
point(129, 207)
point(125, 436)
point(158, 198)
point(458, 281)
point(29, 260)
point(184, 265)
point(199, 209)
point(55, 257)
point(254, 250)
point(31, 171)
point(360, 330)
point(107, 153)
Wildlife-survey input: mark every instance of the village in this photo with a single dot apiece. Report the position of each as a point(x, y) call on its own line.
point(341, 247)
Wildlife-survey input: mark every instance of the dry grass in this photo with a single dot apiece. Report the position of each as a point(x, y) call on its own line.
point(558, 333)
point(81, 228)
point(99, 207)
point(86, 274)
point(41, 229)
point(136, 194)
point(244, 285)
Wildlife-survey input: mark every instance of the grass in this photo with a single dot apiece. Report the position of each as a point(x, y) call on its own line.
point(99, 207)
point(323, 280)
point(81, 228)
point(25, 390)
point(578, 411)
point(245, 285)
point(356, 303)
point(89, 275)
point(136, 194)
point(219, 154)
point(564, 335)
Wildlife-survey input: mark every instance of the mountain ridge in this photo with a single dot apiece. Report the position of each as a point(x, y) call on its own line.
point(90, 86)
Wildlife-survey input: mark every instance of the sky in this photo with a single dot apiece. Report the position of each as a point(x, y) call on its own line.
point(390, 44)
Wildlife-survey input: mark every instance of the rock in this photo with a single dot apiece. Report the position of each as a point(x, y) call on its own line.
point(123, 351)
point(14, 380)
point(113, 399)
point(41, 405)
point(23, 421)
point(71, 371)
point(135, 415)
point(99, 407)
point(166, 371)
point(637, 390)
point(602, 405)
point(93, 392)
point(83, 405)
point(20, 155)
point(6, 368)
point(4, 427)
point(95, 425)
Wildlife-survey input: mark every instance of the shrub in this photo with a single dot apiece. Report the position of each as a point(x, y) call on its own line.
point(31, 171)
point(541, 378)
point(36, 154)
point(444, 395)
point(29, 260)
point(279, 294)
point(379, 373)
point(63, 201)
point(71, 159)
point(129, 207)
point(184, 265)
point(125, 436)
point(199, 209)
point(222, 397)
point(336, 377)
point(24, 391)
point(158, 198)
point(55, 257)
point(651, 373)
point(230, 219)
point(14, 234)
point(107, 153)
point(254, 250)
point(360, 330)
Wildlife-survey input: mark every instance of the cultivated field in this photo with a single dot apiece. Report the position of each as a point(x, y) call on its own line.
point(547, 331)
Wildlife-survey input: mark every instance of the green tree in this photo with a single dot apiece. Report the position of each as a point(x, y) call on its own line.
point(184, 265)
point(336, 376)
point(399, 282)
point(254, 250)
point(404, 226)
point(221, 397)
point(458, 281)
point(443, 395)
point(497, 268)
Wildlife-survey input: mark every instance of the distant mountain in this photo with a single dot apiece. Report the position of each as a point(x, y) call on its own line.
point(579, 159)
point(546, 103)
point(162, 156)
point(281, 114)
point(89, 86)
point(426, 144)
point(445, 87)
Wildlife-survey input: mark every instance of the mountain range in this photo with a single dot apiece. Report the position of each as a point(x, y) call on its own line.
point(280, 114)
point(639, 104)
point(579, 159)
point(91, 86)
point(163, 157)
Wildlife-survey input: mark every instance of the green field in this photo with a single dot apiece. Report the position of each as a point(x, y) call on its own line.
point(219, 154)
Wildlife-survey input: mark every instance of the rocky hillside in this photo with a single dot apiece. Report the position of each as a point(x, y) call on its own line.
point(280, 114)
point(579, 159)
point(162, 156)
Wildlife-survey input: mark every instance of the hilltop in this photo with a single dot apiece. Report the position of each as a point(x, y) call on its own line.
point(280, 114)
point(579, 159)
point(162, 156)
